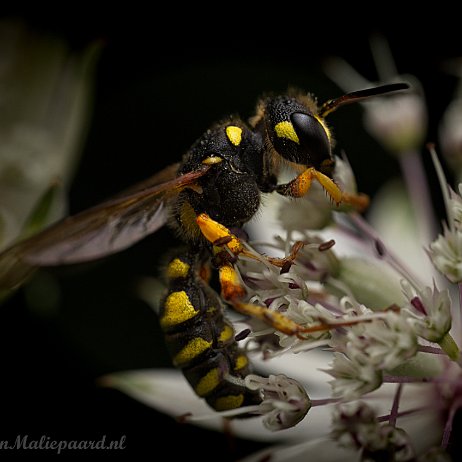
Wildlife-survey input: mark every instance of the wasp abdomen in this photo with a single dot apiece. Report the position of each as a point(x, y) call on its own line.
point(201, 340)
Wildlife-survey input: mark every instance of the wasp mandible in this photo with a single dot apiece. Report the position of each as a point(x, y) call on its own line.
point(217, 186)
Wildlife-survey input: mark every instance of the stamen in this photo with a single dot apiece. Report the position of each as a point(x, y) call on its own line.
point(380, 248)
point(243, 334)
point(326, 245)
point(416, 302)
point(443, 185)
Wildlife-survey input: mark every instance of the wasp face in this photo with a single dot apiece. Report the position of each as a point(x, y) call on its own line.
point(297, 133)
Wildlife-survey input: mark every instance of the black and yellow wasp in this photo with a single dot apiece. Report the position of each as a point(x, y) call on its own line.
point(217, 186)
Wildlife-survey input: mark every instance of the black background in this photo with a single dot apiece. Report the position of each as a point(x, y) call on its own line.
point(156, 91)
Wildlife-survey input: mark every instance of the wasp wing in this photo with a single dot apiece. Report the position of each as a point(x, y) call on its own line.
point(106, 228)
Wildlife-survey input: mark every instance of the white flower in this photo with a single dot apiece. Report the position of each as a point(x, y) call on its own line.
point(285, 403)
point(430, 311)
point(450, 135)
point(369, 324)
point(446, 254)
point(399, 121)
point(455, 205)
point(356, 426)
point(386, 342)
point(353, 378)
point(446, 250)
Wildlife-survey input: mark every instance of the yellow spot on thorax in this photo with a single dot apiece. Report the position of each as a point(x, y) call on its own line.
point(177, 309)
point(208, 383)
point(224, 403)
point(177, 269)
point(234, 134)
point(211, 160)
point(192, 349)
point(241, 362)
point(285, 129)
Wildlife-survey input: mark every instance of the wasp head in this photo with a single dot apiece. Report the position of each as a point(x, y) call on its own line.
point(296, 133)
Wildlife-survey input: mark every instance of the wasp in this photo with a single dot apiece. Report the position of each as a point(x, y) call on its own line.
point(216, 187)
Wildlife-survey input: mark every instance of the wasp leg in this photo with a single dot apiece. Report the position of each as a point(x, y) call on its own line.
point(233, 292)
point(226, 246)
point(232, 289)
point(218, 235)
point(300, 185)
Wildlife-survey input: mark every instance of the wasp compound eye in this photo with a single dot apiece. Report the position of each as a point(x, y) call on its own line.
point(312, 135)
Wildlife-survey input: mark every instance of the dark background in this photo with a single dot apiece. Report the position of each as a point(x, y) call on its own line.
point(156, 91)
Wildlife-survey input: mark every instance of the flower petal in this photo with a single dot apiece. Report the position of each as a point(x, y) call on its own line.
point(167, 391)
point(320, 450)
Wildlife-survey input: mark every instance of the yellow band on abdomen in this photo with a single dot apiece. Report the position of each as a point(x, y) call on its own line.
point(208, 383)
point(193, 348)
point(177, 309)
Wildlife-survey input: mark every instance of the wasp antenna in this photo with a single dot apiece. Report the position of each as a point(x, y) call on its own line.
point(355, 96)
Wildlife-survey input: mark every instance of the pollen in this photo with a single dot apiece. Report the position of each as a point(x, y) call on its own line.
point(177, 309)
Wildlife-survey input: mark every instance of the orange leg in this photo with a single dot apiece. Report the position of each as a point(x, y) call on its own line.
point(233, 291)
point(300, 185)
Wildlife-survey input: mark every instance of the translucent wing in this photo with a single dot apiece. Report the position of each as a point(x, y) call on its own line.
point(109, 227)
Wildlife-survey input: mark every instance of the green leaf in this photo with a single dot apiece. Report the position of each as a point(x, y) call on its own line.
point(39, 216)
point(14, 271)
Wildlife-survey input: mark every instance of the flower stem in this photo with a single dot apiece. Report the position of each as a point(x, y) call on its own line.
point(395, 407)
point(430, 349)
point(443, 185)
point(448, 427)
point(417, 186)
point(386, 418)
point(384, 252)
point(449, 346)
point(405, 379)
point(323, 402)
